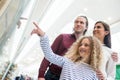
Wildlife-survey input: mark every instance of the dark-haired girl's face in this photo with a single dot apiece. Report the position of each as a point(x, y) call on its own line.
point(99, 31)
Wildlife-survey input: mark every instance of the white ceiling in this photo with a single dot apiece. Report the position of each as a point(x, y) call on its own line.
point(60, 13)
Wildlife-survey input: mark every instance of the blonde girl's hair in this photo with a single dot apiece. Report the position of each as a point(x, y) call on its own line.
point(95, 52)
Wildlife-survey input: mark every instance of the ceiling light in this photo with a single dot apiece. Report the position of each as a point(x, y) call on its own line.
point(109, 18)
point(85, 9)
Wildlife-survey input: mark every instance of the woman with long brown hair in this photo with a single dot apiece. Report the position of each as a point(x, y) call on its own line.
point(102, 32)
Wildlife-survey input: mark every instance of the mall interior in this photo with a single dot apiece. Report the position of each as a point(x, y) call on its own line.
point(20, 52)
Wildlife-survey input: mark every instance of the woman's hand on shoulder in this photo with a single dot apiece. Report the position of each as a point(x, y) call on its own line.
point(100, 75)
point(114, 56)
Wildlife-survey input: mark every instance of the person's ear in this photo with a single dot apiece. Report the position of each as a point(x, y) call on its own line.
point(107, 32)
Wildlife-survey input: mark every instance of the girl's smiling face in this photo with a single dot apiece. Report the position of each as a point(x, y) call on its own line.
point(84, 49)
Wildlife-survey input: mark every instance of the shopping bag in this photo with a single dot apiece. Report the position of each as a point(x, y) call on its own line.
point(117, 72)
